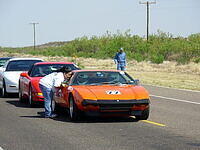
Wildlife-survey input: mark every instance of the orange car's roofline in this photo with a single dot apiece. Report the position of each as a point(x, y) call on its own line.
point(96, 70)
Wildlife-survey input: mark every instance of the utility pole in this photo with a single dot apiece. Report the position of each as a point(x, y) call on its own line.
point(147, 3)
point(34, 24)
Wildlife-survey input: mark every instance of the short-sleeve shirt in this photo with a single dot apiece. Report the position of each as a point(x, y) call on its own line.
point(120, 58)
point(52, 80)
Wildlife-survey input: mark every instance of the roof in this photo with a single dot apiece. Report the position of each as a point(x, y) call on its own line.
point(44, 63)
point(25, 59)
point(5, 58)
point(96, 70)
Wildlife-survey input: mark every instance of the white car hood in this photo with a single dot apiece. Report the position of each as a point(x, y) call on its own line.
point(12, 76)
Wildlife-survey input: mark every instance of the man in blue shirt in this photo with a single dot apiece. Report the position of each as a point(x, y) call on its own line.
point(120, 60)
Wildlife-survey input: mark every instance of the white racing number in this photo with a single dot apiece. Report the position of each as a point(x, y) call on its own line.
point(113, 92)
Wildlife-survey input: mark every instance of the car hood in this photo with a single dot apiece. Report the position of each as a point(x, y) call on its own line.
point(12, 76)
point(106, 92)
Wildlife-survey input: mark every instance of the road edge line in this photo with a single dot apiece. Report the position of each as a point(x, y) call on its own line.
point(175, 99)
point(195, 91)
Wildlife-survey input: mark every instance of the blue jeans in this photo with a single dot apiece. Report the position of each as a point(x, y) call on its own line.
point(121, 66)
point(48, 96)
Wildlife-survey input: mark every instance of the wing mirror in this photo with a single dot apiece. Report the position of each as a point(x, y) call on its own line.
point(24, 74)
point(2, 69)
point(64, 84)
point(137, 82)
point(134, 82)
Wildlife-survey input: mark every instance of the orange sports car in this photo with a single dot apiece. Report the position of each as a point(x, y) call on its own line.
point(102, 92)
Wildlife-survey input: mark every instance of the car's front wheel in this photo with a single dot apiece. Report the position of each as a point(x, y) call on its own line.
point(30, 98)
point(21, 98)
point(73, 110)
point(54, 106)
point(3, 91)
point(144, 115)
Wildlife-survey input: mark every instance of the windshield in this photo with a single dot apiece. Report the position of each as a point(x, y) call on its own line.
point(45, 69)
point(20, 65)
point(101, 77)
point(3, 61)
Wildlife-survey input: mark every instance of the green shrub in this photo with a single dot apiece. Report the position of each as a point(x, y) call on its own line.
point(158, 59)
point(161, 46)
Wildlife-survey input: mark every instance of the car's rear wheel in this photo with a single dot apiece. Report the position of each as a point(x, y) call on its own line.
point(73, 110)
point(144, 115)
point(30, 98)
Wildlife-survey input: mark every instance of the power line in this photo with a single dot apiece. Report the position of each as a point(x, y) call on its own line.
point(34, 24)
point(147, 3)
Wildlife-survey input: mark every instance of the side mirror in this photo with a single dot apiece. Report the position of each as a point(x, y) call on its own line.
point(24, 74)
point(137, 82)
point(64, 84)
point(2, 69)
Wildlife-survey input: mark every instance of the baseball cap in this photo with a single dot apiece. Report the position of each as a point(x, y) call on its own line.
point(121, 49)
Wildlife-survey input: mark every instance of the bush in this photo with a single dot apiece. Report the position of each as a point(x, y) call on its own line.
point(161, 46)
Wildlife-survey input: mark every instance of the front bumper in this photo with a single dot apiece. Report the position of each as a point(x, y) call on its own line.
point(38, 98)
point(116, 105)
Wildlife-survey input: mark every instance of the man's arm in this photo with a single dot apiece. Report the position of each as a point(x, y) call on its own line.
point(125, 60)
point(116, 58)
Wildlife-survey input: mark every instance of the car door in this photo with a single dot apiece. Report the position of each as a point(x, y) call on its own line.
point(61, 95)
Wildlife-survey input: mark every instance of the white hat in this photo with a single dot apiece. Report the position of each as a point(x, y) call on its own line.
point(121, 49)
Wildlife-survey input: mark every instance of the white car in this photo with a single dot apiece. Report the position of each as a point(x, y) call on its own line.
point(10, 73)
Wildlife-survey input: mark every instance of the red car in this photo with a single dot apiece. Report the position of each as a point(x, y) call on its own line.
point(29, 82)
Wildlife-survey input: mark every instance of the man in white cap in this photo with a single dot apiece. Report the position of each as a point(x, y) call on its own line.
point(120, 59)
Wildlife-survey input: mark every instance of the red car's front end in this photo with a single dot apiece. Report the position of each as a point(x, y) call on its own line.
point(37, 95)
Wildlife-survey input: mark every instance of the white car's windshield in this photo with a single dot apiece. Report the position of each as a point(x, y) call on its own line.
point(20, 65)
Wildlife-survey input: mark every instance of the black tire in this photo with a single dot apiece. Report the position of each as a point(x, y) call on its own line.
point(73, 110)
point(0, 92)
point(30, 99)
point(21, 98)
point(54, 106)
point(144, 116)
point(3, 91)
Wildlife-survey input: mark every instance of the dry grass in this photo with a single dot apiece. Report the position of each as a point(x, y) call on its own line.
point(167, 74)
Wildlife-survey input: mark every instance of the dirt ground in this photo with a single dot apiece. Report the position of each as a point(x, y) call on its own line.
point(168, 74)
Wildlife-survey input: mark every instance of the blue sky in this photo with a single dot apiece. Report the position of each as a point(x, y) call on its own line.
point(64, 20)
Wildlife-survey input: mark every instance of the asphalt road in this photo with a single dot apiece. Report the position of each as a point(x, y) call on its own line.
point(174, 124)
